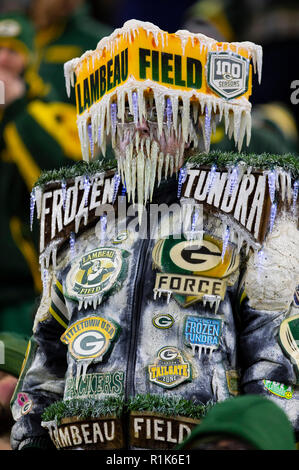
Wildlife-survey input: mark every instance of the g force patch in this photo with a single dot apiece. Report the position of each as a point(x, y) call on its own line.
point(96, 274)
point(169, 369)
point(91, 337)
point(193, 271)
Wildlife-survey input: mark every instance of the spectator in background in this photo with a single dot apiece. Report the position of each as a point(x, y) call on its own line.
point(12, 354)
point(249, 422)
point(35, 134)
point(274, 126)
point(64, 31)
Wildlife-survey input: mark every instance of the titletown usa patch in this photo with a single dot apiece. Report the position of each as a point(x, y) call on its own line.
point(91, 337)
point(96, 274)
point(169, 369)
point(193, 271)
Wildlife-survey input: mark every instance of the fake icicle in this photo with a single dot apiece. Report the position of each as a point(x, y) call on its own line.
point(295, 197)
point(86, 185)
point(32, 206)
point(271, 184)
point(116, 183)
point(225, 240)
point(72, 244)
point(272, 215)
point(212, 300)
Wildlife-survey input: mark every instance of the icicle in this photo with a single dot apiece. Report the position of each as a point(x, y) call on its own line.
point(182, 179)
point(72, 244)
point(147, 175)
point(91, 143)
point(154, 158)
point(133, 179)
point(166, 165)
point(207, 124)
point(271, 182)
point(234, 178)
point(103, 229)
point(116, 182)
point(113, 114)
point(225, 240)
point(45, 279)
point(32, 206)
point(273, 215)
point(212, 176)
point(123, 191)
point(168, 113)
point(64, 193)
point(135, 107)
point(140, 181)
point(295, 196)
point(86, 186)
point(160, 165)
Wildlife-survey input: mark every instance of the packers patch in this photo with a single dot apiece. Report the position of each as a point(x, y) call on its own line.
point(91, 338)
point(228, 74)
point(96, 386)
point(163, 321)
point(121, 237)
point(289, 340)
point(169, 369)
point(193, 271)
point(202, 334)
point(96, 274)
point(279, 389)
point(296, 297)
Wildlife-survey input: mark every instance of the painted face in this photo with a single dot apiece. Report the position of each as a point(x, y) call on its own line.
point(11, 61)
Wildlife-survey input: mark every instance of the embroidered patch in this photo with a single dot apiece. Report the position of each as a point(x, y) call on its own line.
point(289, 339)
point(24, 402)
point(228, 74)
point(95, 274)
point(296, 297)
point(121, 237)
point(163, 321)
point(193, 271)
point(233, 379)
point(95, 385)
point(281, 390)
point(169, 369)
point(202, 334)
point(91, 337)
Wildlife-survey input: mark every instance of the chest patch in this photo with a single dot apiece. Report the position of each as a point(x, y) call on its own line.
point(97, 273)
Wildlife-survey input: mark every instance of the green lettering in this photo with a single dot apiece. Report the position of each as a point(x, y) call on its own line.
point(194, 71)
point(102, 80)
point(166, 67)
point(155, 66)
point(78, 93)
point(124, 65)
point(178, 71)
point(143, 63)
point(94, 86)
point(109, 74)
point(116, 78)
point(86, 94)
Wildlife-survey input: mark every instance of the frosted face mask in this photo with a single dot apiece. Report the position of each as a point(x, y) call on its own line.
point(158, 96)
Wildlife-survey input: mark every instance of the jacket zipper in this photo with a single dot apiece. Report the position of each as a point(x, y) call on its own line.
point(135, 318)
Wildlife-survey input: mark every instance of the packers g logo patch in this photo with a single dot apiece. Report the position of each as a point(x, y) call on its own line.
point(95, 274)
point(193, 271)
point(169, 369)
point(289, 340)
point(91, 337)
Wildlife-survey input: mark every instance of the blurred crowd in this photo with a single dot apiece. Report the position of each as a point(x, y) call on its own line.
point(38, 121)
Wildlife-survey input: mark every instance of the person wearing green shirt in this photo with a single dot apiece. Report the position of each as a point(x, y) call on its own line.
point(37, 132)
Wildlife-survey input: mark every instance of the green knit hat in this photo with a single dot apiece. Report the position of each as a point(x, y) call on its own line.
point(253, 418)
point(12, 352)
point(17, 33)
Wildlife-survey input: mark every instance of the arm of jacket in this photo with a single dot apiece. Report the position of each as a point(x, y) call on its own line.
point(268, 291)
point(41, 380)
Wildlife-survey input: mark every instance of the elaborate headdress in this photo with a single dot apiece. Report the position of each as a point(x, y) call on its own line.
point(181, 84)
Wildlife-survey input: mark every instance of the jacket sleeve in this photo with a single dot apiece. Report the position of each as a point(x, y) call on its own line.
point(41, 381)
point(269, 284)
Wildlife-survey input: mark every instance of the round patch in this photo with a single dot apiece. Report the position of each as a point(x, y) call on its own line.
point(9, 28)
point(163, 321)
point(121, 237)
point(199, 256)
point(95, 274)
